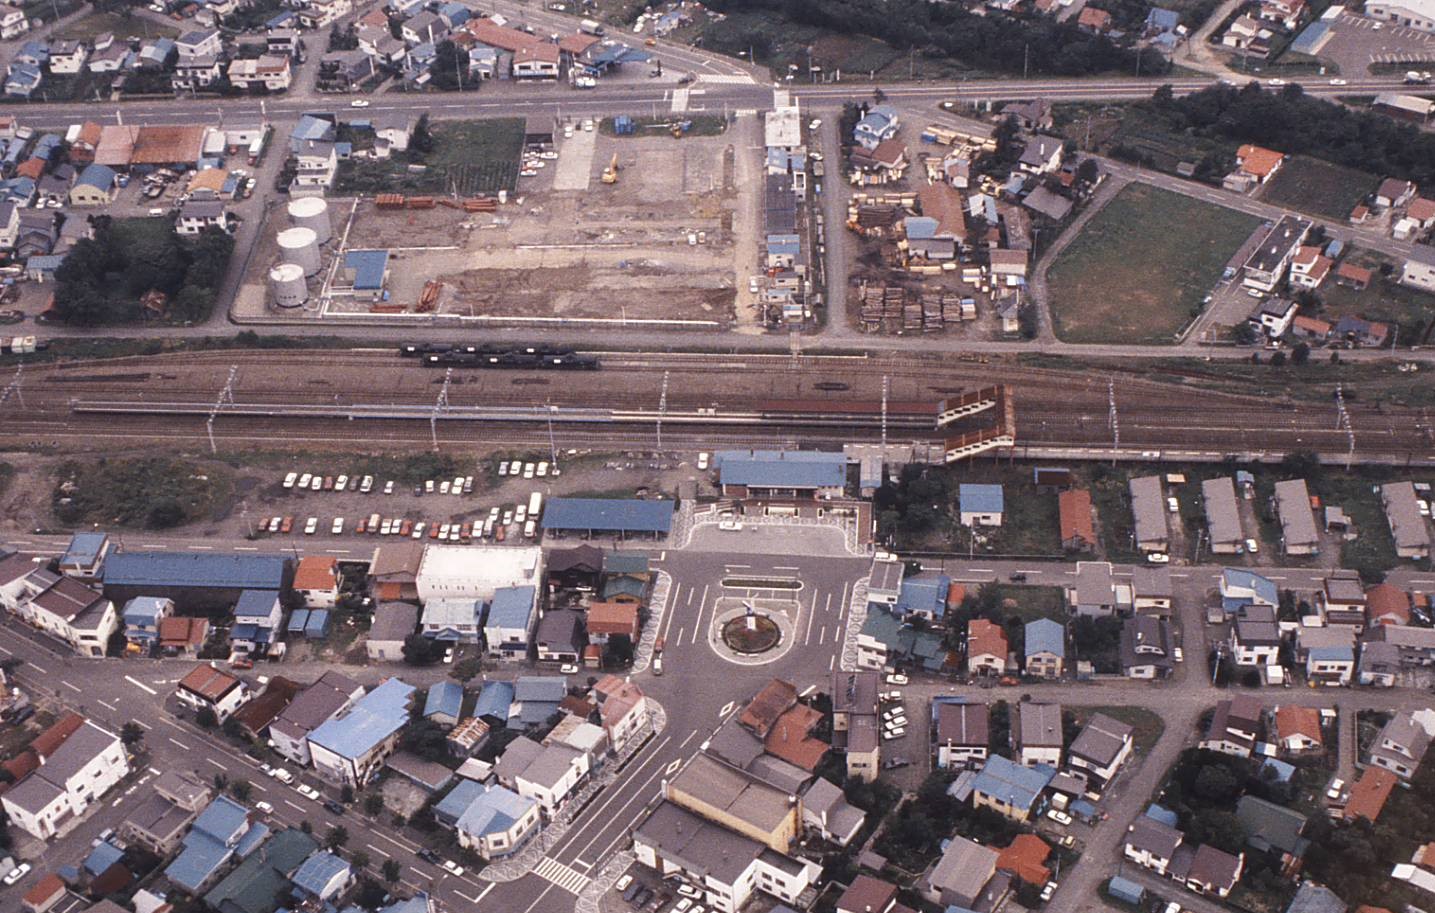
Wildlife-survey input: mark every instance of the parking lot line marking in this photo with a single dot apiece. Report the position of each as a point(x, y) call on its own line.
point(465, 896)
point(484, 893)
point(181, 744)
point(6, 652)
point(71, 687)
point(692, 591)
point(784, 567)
point(821, 636)
point(133, 681)
point(382, 853)
point(832, 662)
point(38, 666)
point(108, 704)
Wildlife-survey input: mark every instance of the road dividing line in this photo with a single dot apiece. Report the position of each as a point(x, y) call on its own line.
point(821, 636)
point(42, 668)
point(201, 548)
point(246, 548)
point(212, 761)
point(691, 736)
point(181, 745)
point(297, 808)
point(382, 853)
point(133, 681)
point(71, 687)
point(108, 704)
point(401, 845)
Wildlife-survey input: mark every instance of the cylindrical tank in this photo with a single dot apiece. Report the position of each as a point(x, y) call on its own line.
point(300, 245)
point(312, 213)
point(287, 282)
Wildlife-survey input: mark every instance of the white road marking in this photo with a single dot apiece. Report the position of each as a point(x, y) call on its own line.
point(6, 652)
point(108, 704)
point(181, 744)
point(201, 548)
point(561, 875)
point(597, 813)
point(211, 760)
point(133, 681)
point(484, 893)
point(832, 662)
point(297, 808)
point(403, 845)
point(38, 666)
point(691, 736)
point(71, 687)
point(246, 548)
point(726, 709)
point(465, 896)
point(379, 851)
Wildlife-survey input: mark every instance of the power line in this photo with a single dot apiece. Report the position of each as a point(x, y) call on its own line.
point(662, 409)
point(1113, 419)
point(225, 396)
point(439, 406)
point(1342, 420)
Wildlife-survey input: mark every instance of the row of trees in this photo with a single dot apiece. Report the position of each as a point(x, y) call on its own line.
point(1032, 44)
point(102, 279)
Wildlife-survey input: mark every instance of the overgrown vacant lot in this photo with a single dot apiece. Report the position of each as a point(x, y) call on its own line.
point(149, 492)
point(1139, 269)
point(1319, 188)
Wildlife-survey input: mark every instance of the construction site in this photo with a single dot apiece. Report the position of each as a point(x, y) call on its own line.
point(603, 229)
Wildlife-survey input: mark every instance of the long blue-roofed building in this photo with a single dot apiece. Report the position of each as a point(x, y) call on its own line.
point(197, 582)
point(624, 518)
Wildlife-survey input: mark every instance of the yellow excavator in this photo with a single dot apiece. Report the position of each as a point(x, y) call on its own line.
point(610, 174)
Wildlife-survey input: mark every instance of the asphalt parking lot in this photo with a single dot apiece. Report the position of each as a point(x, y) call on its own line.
point(1356, 42)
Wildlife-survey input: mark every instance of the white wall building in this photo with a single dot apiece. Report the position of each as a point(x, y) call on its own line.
point(81, 770)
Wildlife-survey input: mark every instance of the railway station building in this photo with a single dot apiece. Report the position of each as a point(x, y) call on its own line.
point(620, 518)
point(782, 474)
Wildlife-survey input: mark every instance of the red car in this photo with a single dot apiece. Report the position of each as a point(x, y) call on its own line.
point(287, 525)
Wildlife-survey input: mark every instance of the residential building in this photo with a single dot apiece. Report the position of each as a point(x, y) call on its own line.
point(68, 56)
point(980, 505)
point(497, 822)
point(1151, 843)
point(551, 776)
point(392, 624)
point(986, 648)
point(512, 618)
point(1379, 664)
point(867, 895)
point(1407, 524)
point(158, 821)
point(142, 617)
point(1419, 269)
point(199, 42)
point(1078, 529)
point(1041, 155)
point(206, 687)
point(1151, 590)
point(1267, 264)
point(316, 580)
point(879, 125)
point(961, 873)
point(195, 216)
point(182, 636)
point(1038, 734)
point(222, 831)
point(332, 693)
point(13, 23)
point(393, 573)
point(1208, 870)
point(1299, 535)
point(826, 811)
point(272, 72)
point(962, 734)
point(71, 611)
point(1241, 588)
point(1387, 604)
point(1255, 637)
point(444, 704)
point(255, 717)
point(1298, 729)
point(884, 164)
point(1368, 794)
point(316, 164)
point(84, 557)
point(737, 800)
point(193, 73)
point(622, 708)
point(1235, 726)
point(452, 620)
point(1010, 789)
point(1309, 267)
point(1274, 316)
point(258, 621)
point(559, 636)
point(1100, 749)
point(536, 698)
point(1328, 654)
point(1258, 163)
point(604, 620)
point(80, 770)
point(1045, 645)
point(1403, 741)
point(1146, 648)
point(1093, 593)
point(350, 748)
point(854, 722)
point(1148, 508)
point(1223, 518)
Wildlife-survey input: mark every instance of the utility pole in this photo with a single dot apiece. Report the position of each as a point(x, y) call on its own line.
point(1113, 419)
point(662, 409)
point(886, 389)
point(1025, 60)
point(439, 405)
point(552, 444)
point(14, 388)
point(1342, 419)
point(225, 396)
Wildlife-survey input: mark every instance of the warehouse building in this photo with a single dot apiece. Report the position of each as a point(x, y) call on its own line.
point(475, 572)
point(620, 518)
point(197, 583)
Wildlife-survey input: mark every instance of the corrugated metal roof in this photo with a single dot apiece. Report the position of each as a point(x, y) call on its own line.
point(782, 468)
point(609, 515)
point(174, 569)
point(445, 698)
point(373, 718)
point(981, 499)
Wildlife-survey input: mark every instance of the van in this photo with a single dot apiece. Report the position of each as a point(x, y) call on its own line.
point(373, 524)
point(530, 529)
point(657, 665)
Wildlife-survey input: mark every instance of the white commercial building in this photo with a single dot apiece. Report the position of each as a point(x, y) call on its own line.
point(476, 571)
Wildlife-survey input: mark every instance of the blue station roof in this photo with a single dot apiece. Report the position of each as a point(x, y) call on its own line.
point(609, 515)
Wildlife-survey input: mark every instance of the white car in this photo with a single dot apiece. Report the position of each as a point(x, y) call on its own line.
point(730, 525)
point(289, 479)
point(1336, 786)
point(443, 487)
point(341, 483)
point(264, 807)
point(703, 461)
point(443, 532)
point(366, 485)
point(311, 526)
point(428, 486)
point(688, 890)
point(1275, 82)
point(814, 123)
point(275, 523)
point(1253, 546)
point(1178, 654)
point(307, 791)
point(304, 480)
point(338, 526)
point(456, 486)
point(452, 868)
point(1158, 558)
point(1049, 890)
point(316, 483)
point(502, 468)
point(528, 470)
point(893, 713)
point(622, 883)
point(1339, 82)
point(569, 668)
point(542, 470)
point(418, 532)
point(682, 905)
point(20, 871)
point(891, 734)
point(359, 103)
point(897, 723)
point(895, 679)
point(282, 775)
point(1173, 505)
point(1059, 816)
point(389, 487)
point(448, 656)
point(386, 527)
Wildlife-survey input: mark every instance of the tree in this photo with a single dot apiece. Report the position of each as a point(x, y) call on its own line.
point(1088, 171)
point(422, 651)
point(240, 789)
point(206, 719)
point(373, 803)
point(131, 733)
point(360, 859)
point(1300, 354)
point(422, 141)
point(450, 67)
point(1278, 359)
point(391, 870)
point(306, 827)
point(1216, 783)
point(346, 795)
point(336, 836)
point(1244, 334)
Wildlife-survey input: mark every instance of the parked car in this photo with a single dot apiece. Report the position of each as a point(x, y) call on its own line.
point(895, 679)
point(282, 775)
point(569, 668)
point(428, 855)
point(1059, 816)
point(20, 871)
point(289, 479)
point(311, 526)
point(891, 734)
point(452, 868)
point(338, 526)
point(264, 807)
point(334, 807)
point(307, 791)
point(622, 883)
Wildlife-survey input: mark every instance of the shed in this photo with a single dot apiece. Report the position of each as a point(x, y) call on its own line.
point(444, 704)
point(1125, 889)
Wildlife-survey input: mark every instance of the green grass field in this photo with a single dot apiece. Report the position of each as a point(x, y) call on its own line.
point(468, 157)
point(1139, 269)
point(1317, 187)
point(89, 27)
point(1384, 299)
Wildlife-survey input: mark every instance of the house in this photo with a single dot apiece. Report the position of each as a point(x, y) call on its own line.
point(1379, 664)
point(393, 573)
point(258, 618)
point(1151, 843)
point(1151, 590)
point(272, 72)
point(509, 625)
point(559, 637)
point(1255, 637)
point(1235, 726)
point(1341, 600)
point(316, 581)
point(960, 874)
point(1094, 20)
point(980, 505)
point(961, 734)
point(264, 872)
point(1240, 588)
point(1093, 593)
point(13, 22)
point(883, 164)
point(142, 617)
point(206, 687)
point(70, 610)
point(159, 820)
point(608, 619)
point(350, 747)
point(1258, 163)
point(180, 636)
point(1387, 604)
point(452, 620)
point(826, 811)
point(1298, 729)
point(344, 71)
point(1274, 316)
point(1045, 645)
point(444, 704)
point(423, 28)
point(1299, 535)
point(879, 125)
point(729, 865)
point(1368, 794)
point(222, 831)
point(392, 624)
point(316, 163)
point(1394, 192)
point(1402, 743)
point(1078, 529)
point(497, 822)
point(1352, 276)
point(1407, 524)
point(986, 648)
point(1100, 749)
point(1010, 789)
point(622, 709)
point(1038, 734)
point(1145, 647)
point(199, 42)
point(854, 722)
point(1208, 870)
point(867, 895)
point(1328, 653)
point(1313, 328)
point(1266, 266)
point(1030, 115)
point(1309, 267)
point(69, 778)
point(68, 57)
point(195, 216)
point(1223, 519)
point(579, 568)
point(255, 717)
point(1148, 508)
point(736, 799)
point(22, 79)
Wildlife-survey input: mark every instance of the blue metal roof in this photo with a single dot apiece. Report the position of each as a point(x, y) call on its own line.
point(144, 610)
point(85, 548)
point(1011, 783)
point(97, 175)
point(206, 571)
point(452, 806)
point(512, 607)
point(207, 845)
point(1281, 769)
point(920, 228)
point(609, 515)
point(1332, 654)
point(373, 718)
point(493, 811)
point(494, 700)
point(981, 499)
point(102, 857)
point(419, 903)
point(923, 593)
point(1162, 814)
point(782, 468)
point(1125, 889)
point(244, 632)
point(297, 620)
point(368, 267)
point(444, 698)
point(318, 624)
point(1243, 579)
point(1045, 636)
point(255, 603)
point(1311, 40)
point(317, 871)
point(1163, 19)
point(540, 688)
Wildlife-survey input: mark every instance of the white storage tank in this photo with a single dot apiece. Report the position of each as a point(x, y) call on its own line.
point(300, 245)
point(287, 282)
point(312, 213)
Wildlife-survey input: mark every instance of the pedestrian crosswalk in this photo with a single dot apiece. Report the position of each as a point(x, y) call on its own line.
point(680, 100)
point(729, 79)
point(561, 875)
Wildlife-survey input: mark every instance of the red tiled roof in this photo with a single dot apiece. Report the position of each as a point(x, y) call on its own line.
point(31, 168)
point(46, 889)
point(208, 682)
point(48, 742)
point(1093, 18)
point(1368, 794)
point(612, 618)
point(866, 895)
point(1293, 721)
point(1258, 161)
point(986, 637)
point(1421, 209)
point(767, 705)
point(1026, 859)
point(1386, 603)
point(182, 631)
point(486, 31)
point(1073, 508)
point(789, 738)
point(576, 43)
point(316, 572)
point(1354, 273)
